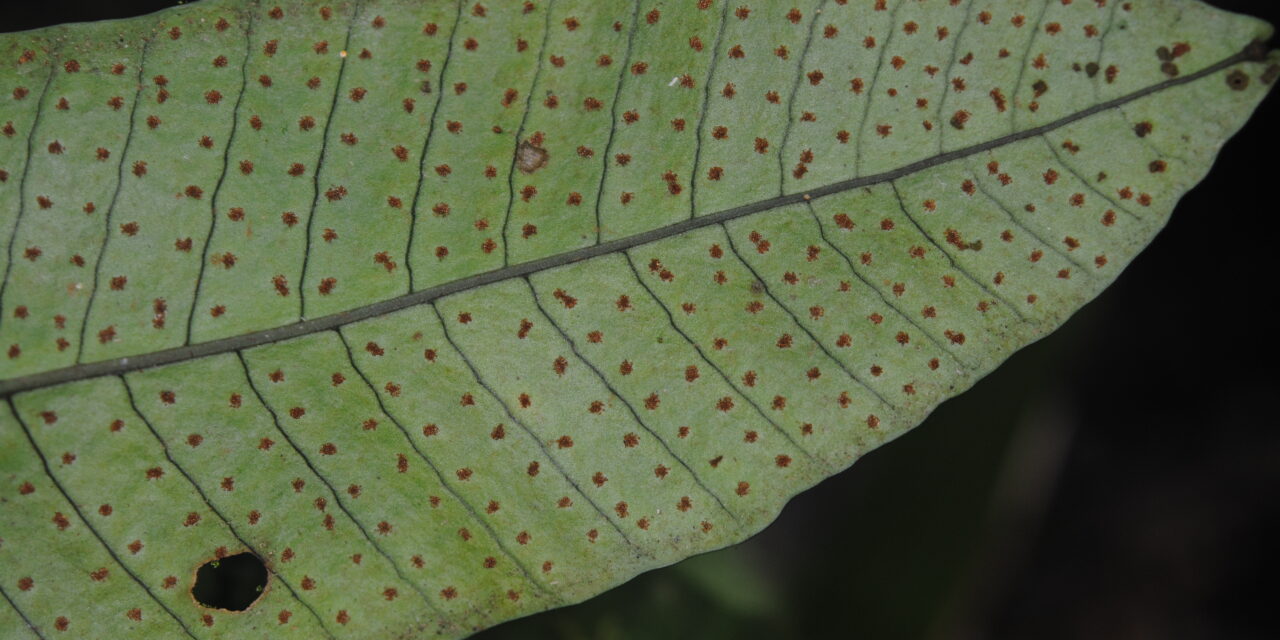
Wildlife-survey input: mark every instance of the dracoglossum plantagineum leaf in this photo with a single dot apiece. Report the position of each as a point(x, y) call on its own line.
point(454, 312)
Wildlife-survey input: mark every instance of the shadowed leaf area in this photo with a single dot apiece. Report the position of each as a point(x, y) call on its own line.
point(450, 313)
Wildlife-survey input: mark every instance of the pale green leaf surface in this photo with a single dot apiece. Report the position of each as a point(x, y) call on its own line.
point(276, 281)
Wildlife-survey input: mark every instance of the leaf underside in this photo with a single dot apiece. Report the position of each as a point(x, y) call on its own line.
point(452, 313)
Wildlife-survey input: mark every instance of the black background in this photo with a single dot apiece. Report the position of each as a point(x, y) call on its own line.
point(1119, 479)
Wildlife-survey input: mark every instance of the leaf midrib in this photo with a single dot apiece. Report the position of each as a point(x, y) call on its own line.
point(305, 327)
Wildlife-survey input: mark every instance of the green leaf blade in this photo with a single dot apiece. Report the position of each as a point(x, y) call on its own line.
point(437, 441)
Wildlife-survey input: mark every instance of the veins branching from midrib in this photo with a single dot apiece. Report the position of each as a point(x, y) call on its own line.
point(324, 144)
point(573, 346)
point(337, 498)
point(306, 327)
point(902, 206)
point(22, 180)
point(204, 497)
point(705, 107)
point(426, 144)
point(1017, 221)
point(671, 321)
point(524, 119)
point(791, 98)
point(542, 446)
point(102, 542)
point(435, 470)
point(613, 115)
point(115, 197)
point(733, 248)
point(247, 15)
point(822, 233)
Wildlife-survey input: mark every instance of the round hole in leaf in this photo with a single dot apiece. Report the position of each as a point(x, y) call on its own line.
point(233, 583)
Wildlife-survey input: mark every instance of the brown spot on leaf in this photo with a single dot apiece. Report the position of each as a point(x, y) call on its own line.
point(1238, 80)
point(530, 157)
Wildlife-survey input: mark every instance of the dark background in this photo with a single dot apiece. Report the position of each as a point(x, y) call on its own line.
point(1119, 479)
